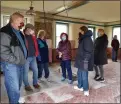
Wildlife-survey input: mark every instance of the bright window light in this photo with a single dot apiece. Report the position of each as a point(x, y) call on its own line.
point(92, 29)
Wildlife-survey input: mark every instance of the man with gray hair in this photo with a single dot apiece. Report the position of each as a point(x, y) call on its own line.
point(13, 55)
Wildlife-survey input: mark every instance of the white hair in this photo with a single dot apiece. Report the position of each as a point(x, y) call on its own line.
point(41, 33)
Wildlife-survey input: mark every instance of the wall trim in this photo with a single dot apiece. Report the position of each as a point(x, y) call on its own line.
point(114, 25)
point(77, 22)
point(69, 21)
point(72, 21)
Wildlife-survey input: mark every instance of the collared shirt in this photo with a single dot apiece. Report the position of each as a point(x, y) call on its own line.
point(17, 32)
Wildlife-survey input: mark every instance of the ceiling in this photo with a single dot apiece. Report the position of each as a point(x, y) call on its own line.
point(100, 11)
point(49, 6)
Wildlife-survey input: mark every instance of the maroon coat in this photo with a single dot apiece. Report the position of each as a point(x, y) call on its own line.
point(115, 44)
point(65, 48)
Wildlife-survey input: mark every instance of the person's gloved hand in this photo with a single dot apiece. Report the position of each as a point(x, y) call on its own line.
point(84, 64)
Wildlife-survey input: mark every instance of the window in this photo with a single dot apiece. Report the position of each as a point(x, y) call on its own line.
point(60, 28)
point(5, 20)
point(93, 31)
point(116, 31)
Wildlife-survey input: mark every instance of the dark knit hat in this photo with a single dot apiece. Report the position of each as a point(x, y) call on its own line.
point(30, 26)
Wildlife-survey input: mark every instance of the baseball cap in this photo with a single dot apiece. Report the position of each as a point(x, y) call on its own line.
point(30, 26)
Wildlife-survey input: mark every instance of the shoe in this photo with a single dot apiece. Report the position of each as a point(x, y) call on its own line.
point(40, 80)
point(21, 100)
point(80, 89)
point(28, 88)
point(86, 93)
point(48, 80)
point(100, 79)
point(63, 79)
point(37, 86)
point(70, 81)
point(96, 77)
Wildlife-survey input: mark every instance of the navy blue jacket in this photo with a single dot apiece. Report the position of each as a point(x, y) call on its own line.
point(85, 52)
point(43, 50)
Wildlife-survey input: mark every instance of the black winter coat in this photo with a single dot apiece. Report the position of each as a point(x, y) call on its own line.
point(85, 52)
point(100, 50)
point(115, 44)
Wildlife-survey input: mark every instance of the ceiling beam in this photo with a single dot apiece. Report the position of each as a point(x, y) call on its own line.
point(71, 6)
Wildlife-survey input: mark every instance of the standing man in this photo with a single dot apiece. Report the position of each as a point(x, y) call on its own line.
point(13, 55)
point(31, 59)
point(100, 55)
point(115, 47)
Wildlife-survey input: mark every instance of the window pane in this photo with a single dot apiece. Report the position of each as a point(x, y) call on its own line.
point(61, 28)
point(96, 35)
point(5, 20)
point(57, 40)
point(116, 31)
point(92, 29)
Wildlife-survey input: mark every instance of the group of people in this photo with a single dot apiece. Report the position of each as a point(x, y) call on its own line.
point(21, 51)
point(88, 55)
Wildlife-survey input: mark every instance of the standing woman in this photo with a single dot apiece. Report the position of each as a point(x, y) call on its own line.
point(64, 51)
point(43, 57)
point(100, 55)
point(84, 59)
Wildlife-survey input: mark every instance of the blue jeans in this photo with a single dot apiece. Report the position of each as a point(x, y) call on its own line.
point(66, 65)
point(13, 75)
point(32, 64)
point(83, 79)
point(114, 55)
point(41, 67)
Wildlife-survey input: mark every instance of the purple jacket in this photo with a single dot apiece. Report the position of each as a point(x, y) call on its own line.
point(65, 48)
